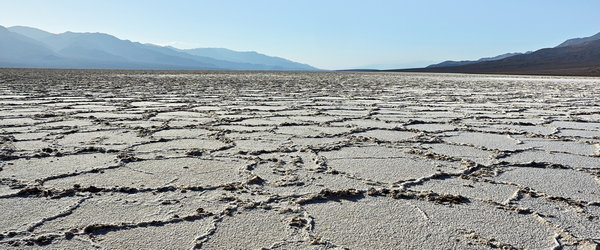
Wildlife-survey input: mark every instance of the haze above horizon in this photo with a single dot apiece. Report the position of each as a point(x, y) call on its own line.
point(332, 34)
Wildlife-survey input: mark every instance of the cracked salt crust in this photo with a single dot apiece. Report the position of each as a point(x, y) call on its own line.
point(297, 160)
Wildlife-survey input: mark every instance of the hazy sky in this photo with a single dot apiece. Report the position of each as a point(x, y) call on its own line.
point(330, 34)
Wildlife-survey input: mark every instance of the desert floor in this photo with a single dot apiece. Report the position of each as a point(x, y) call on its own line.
point(297, 160)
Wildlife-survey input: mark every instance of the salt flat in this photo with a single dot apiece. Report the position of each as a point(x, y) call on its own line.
point(297, 160)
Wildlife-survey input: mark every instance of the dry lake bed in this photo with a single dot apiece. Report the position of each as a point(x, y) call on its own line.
point(297, 160)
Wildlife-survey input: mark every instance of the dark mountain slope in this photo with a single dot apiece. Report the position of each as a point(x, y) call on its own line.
point(566, 43)
point(575, 41)
point(460, 63)
point(579, 59)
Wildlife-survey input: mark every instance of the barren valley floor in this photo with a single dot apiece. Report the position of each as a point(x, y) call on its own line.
point(297, 160)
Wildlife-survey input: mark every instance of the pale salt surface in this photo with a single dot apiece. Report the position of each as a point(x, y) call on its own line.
point(237, 160)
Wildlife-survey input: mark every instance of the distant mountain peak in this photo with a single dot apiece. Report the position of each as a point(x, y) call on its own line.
point(576, 41)
point(30, 32)
point(247, 57)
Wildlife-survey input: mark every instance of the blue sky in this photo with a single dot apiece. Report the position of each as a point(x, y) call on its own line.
point(332, 34)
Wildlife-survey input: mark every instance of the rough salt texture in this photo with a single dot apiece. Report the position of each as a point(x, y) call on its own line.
point(296, 160)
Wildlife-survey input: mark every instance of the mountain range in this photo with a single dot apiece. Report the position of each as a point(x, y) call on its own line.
point(579, 56)
point(27, 47)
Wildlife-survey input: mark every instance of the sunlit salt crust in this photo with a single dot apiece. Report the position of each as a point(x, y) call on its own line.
point(297, 160)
